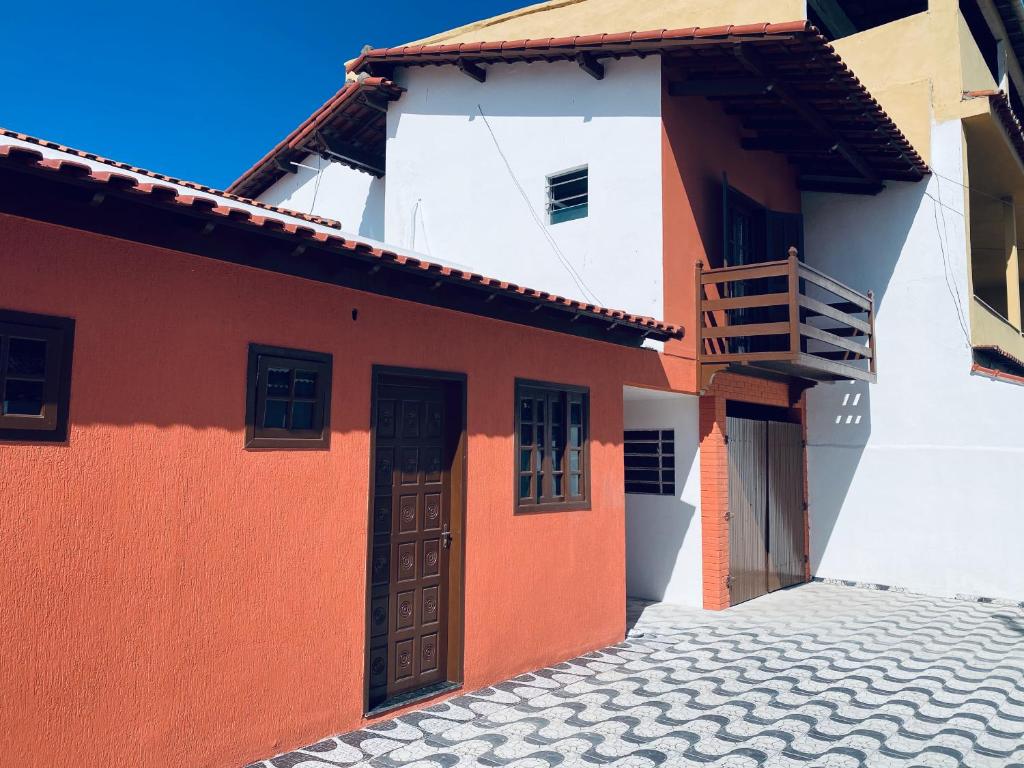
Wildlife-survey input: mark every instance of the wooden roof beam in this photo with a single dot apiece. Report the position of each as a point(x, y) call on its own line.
point(848, 184)
point(790, 143)
point(754, 64)
point(352, 156)
point(284, 163)
point(590, 64)
point(475, 71)
point(733, 86)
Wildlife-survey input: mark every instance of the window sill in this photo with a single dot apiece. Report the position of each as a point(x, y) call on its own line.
point(583, 506)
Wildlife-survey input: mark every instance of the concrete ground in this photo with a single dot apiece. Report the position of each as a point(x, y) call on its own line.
point(816, 675)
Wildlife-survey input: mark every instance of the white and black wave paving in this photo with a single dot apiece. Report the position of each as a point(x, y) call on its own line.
point(819, 675)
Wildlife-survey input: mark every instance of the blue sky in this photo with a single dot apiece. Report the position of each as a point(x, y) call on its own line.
point(197, 90)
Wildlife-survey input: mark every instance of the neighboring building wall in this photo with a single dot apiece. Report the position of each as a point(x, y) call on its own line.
point(354, 198)
point(173, 600)
point(915, 480)
point(663, 538)
point(451, 195)
point(898, 63)
point(588, 17)
point(700, 143)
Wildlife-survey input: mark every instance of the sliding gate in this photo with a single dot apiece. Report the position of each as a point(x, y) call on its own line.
point(766, 515)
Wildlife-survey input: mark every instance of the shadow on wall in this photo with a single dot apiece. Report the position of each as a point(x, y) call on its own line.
point(857, 240)
point(839, 425)
point(657, 528)
point(458, 96)
point(162, 339)
point(663, 540)
point(372, 222)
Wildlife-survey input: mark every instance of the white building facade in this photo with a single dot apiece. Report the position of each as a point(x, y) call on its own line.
point(911, 480)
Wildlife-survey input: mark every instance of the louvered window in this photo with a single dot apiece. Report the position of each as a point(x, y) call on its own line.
point(568, 195)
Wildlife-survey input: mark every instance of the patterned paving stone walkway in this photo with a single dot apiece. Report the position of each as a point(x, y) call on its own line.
point(818, 675)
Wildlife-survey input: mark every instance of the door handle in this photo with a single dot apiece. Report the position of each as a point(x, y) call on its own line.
point(446, 536)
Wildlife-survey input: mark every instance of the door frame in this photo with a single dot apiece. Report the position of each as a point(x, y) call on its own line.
point(767, 415)
point(455, 387)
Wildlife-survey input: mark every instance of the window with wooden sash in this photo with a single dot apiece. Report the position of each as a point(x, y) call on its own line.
point(35, 376)
point(552, 447)
point(288, 403)
point(650, 457)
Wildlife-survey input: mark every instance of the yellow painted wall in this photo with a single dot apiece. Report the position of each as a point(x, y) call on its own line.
point(587, 17)
point(976, 75)
point(898, 63)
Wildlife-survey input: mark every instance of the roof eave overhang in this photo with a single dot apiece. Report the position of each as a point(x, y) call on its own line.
point(805, 89)
point(360, 106)
point(115, 205)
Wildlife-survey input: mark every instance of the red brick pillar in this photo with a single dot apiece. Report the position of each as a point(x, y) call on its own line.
point(714, 502)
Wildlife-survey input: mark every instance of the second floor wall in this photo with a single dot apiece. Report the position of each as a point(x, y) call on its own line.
point(469, 166)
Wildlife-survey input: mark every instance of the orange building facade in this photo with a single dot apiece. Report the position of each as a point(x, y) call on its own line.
point(176, 599)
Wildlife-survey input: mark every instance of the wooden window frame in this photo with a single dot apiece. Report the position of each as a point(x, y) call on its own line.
point(665, 462)
point(547, 501)
point(260, 438)
point(59, 334)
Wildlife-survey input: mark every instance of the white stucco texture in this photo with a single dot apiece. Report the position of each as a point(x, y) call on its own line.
point(354, 198)
point(663, 539)
point(473, 190)
point(915, 481)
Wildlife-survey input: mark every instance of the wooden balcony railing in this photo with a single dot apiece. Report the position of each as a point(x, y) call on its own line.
point(784, 317)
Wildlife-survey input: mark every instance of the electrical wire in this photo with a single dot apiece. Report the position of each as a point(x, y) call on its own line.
point(947, 268)
point(316, 186)
point(576, 277)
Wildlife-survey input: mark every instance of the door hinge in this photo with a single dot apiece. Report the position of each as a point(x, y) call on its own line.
point(728, 581)
point(726, 439)
point(728, 516)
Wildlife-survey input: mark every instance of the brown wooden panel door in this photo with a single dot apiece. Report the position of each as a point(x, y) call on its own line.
point(410, 555)
point(785, 505)
point(747, 508)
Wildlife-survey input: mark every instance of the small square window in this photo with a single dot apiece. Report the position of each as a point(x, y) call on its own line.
point(288, 404)
point(650, 461)
point(568, 195)
point(35, 376)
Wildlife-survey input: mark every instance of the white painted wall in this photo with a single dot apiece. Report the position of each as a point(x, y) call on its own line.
point(450, 193)
point(663, 540)
point(354, 198)
point(914, 481)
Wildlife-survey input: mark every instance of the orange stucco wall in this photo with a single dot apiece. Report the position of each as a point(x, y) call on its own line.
point(700, 143)
point(170, 599)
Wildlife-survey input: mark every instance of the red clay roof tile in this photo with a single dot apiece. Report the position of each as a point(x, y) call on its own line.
point(124, 179)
